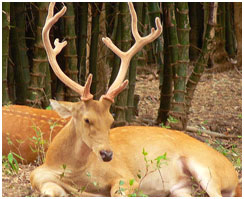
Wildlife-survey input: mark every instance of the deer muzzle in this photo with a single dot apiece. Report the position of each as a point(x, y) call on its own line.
point(106, 155)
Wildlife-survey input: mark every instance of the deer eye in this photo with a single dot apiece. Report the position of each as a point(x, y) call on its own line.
point(87, 121)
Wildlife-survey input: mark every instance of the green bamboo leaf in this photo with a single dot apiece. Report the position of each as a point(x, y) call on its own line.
point(131, 182)
point(10, 158)
point(121, 182)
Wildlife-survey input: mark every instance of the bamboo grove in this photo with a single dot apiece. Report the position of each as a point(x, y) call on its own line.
point(200, 36)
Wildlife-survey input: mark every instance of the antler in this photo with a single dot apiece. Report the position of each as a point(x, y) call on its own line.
point(125, 57)
point(84, 92)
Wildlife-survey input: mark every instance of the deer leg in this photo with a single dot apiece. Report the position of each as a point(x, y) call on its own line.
point(44, 180)
point(182, 188)
point(51, 189)
point(204, 176)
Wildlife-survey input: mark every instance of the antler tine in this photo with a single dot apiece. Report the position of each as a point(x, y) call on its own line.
point(125, 57)
point(51, 19)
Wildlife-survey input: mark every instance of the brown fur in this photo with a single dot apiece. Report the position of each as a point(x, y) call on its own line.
point(238, 191)
point(78, 145)
point(18, 123)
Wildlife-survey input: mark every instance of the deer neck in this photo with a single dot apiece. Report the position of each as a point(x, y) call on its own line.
point(68, 148)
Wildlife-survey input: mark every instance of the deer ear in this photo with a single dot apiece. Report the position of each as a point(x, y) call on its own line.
point(64, 109)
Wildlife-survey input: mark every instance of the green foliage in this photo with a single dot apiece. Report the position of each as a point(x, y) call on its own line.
point(49, 108)
point(10, 163)
point(171, 120)
point(39, 145)
point(62, 174)
point(231, 153)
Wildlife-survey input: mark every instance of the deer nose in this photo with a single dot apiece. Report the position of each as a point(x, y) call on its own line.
point(106, 155)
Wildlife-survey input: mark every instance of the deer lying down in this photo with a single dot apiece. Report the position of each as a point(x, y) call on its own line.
point(28, 121)
point(86, 158)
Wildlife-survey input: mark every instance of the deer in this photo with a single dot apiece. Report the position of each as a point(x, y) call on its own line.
point(28, 122)
point(87, 158)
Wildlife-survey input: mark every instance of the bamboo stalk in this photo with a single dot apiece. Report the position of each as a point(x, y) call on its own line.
point(141, 56)
point(11, 81)
point(154, 11)
point(96, 8)
point(230, 45)
point(82, 19)
point(5, 51)
point(102, 66)
point(238, 31)
point(178, 109)
point(40, 91)
point(112, 27)
point(121, 102)
point(167, 72)
point(70, 52)
point(18, 51)
point(196, 17)
point(204, 55)
point(115, 63)
point(130, 112)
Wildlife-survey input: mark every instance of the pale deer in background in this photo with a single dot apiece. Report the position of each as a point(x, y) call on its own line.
point(21, 123)
point(86, 155)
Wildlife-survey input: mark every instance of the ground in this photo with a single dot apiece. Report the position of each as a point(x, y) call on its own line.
point(217, 106)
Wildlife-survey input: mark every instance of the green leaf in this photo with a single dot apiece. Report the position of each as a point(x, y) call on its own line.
point(144, 152)
point(122, 189)
point(121, 182)
point(88, 174)
point(18, 156)
point(131, 182)
point(133, 195)
point(17, 166)
point(172, 120)
point(64, 166)
point(139, 175)
point(10, 158)
point(83, 189)
point(48, 108)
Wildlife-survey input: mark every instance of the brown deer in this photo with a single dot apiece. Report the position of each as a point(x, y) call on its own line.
point(86, 158)
point(21, 123)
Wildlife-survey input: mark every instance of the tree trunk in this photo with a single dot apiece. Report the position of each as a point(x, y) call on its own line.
point(82, 20)
point(229, 33)
point(166, 88)
point(203, 58)
point(140, 56)
point(115, 61)
point(5, 51)
point(178, 110)
point(96, 11)
point(131, 110)
point(154, 11)
point(219, 58)
point(40, 83)
point(18, 52)
point(238, 31)
point(70, 52)
point(102, 66)
point(121, 102)
point(196, 33)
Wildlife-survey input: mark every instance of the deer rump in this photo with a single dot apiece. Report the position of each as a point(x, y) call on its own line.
point(185, 158)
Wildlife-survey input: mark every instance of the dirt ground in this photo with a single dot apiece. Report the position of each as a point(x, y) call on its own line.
point(217, 106)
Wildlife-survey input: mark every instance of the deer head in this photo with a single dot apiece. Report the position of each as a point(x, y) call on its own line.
point(91, 118)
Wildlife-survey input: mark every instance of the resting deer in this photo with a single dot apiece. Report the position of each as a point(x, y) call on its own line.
point(86, 155)
point(28, 122)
